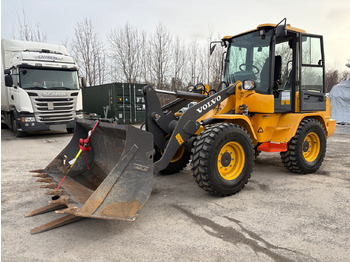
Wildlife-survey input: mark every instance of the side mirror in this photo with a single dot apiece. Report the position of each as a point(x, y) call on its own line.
point(8, 80)
point(212, 48)
point(7, 71)
point(83, 82)
point(281, 30)
point(249, 85)
point(213, 45)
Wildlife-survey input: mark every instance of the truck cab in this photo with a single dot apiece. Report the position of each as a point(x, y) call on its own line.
point(40, 89)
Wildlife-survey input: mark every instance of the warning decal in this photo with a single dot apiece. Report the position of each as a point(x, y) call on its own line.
point(179, 139)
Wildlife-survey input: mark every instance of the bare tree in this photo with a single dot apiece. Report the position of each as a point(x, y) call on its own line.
point(161, 55)
point(194, 63)
point(146, 65)
point(27, 31)
point(216, 68)
point(89, 53)
point(178, 64)
point(125, 48)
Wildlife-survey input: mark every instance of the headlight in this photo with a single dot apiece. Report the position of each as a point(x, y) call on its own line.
point(28, 119)
point(79, 116)
point(249, 84)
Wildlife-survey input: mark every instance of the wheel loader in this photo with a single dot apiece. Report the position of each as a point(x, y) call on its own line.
point(271, 99)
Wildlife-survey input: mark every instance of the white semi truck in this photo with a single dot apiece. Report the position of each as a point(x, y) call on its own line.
point(39, 87)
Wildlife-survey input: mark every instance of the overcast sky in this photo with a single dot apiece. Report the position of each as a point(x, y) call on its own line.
point(191, 20)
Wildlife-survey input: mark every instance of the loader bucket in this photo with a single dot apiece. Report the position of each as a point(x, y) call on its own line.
point(112, 180)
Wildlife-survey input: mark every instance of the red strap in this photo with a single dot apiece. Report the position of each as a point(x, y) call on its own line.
point(61, 182)
point(87, 162)
point(84, 143)
point(84, 146)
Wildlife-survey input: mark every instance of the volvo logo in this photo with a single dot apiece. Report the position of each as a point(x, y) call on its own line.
point(209, 104)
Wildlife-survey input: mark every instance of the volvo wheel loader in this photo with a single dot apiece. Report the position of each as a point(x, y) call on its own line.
point(272, 99)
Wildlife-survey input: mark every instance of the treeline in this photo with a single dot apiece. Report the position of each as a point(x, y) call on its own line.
point(158, 58)
point(133, 56)
point(334, 76)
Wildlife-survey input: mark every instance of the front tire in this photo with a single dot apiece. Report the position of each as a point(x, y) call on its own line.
point(177, 163)
point(307, 149)
point(15, 130)
point(70, 130)
point(223, 159)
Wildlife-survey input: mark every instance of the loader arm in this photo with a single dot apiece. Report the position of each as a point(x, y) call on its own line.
point(160, 122)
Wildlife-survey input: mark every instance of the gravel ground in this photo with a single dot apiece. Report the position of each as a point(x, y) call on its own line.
point(278, 216)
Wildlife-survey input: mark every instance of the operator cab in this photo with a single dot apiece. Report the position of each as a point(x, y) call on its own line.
point(284, 62)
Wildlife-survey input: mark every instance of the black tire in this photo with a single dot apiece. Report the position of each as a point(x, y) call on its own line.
point(15, 131)
point(4, 126)
point(70, 130)
point(179, 162)
point(208, 151)
point(256, 153)
point(307, 149)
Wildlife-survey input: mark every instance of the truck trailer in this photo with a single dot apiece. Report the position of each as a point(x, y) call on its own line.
point(39, 87)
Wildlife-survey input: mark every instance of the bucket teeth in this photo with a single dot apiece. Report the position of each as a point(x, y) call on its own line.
point(56, 223)
point(37, 171)
point(62, 200)
point(45, 180)
point(50, 185)
point(45, 209)
point(69, 210)
point(58, 192)
point(42, 175)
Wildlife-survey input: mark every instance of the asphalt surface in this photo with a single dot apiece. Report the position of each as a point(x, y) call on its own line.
point(278, 216)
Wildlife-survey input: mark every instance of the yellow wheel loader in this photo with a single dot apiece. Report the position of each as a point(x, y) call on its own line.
point(271, 99)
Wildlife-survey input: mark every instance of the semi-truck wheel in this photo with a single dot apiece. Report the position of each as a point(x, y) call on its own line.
point(307, 149)
point(70, 130)
point(16, 132)
point(223, 159)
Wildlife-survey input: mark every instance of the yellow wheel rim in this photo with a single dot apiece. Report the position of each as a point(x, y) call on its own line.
point(311, 147)
point(231, 160)
point(179, 153)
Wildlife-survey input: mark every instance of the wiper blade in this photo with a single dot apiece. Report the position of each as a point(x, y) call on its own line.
point(59, 88)
point(35, 88)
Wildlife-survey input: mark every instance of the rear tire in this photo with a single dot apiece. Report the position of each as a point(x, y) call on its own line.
point(307, 149)
point(256, 152)
point(223, 159)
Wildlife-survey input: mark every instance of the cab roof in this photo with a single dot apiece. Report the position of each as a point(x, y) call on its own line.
point(266, 26)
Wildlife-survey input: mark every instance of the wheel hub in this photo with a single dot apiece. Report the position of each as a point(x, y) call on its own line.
point(225, 159)
point(306, 146)
point(231, 160)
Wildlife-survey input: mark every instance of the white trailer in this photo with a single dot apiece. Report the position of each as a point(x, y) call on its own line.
point(39, 87)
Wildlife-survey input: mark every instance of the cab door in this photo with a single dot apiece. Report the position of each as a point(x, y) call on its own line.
point(312, 74)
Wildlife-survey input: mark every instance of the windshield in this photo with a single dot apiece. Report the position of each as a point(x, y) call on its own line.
point(52, 79)
point(248, 59)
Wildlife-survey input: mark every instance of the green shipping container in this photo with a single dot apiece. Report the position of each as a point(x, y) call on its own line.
point(123, 101)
